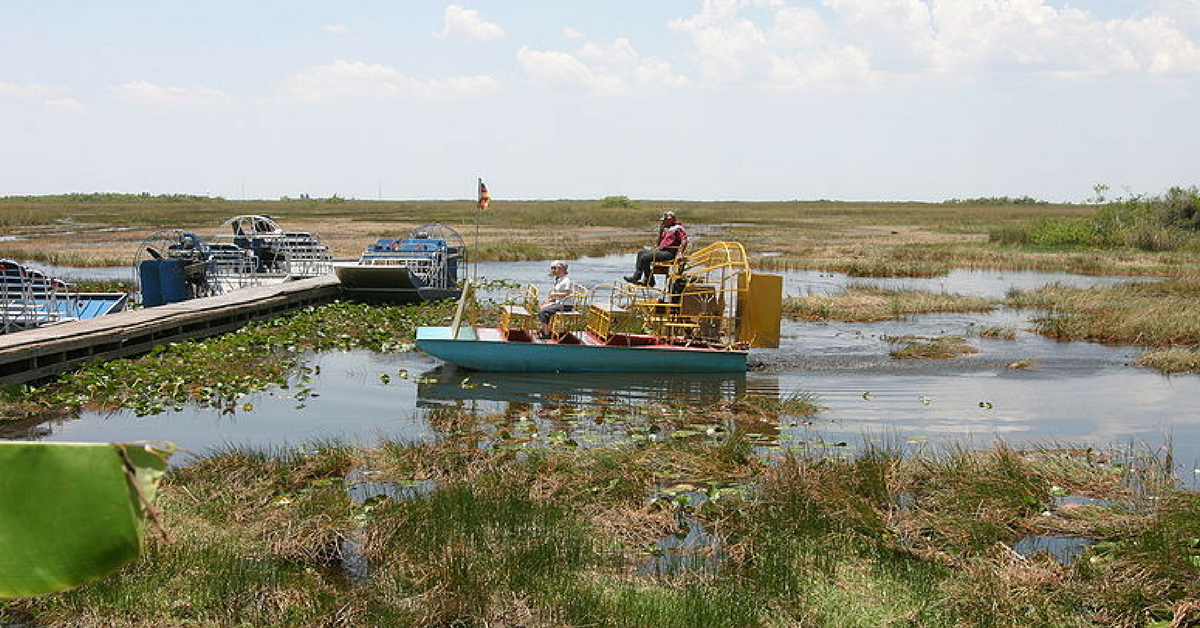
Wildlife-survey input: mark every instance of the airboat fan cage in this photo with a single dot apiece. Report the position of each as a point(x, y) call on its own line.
point(438, 269)
point(249, 250)
point(252, 249)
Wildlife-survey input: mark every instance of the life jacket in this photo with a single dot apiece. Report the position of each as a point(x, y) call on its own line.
point(672, 237)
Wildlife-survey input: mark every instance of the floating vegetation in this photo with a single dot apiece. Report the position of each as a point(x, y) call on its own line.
point(930, 348)
point(869, 304)
point(1002, 333)
point(218, 371)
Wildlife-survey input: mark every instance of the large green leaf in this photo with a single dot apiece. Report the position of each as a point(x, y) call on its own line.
point(71, 512)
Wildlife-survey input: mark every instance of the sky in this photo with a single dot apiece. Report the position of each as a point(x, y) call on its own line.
point(654, 99)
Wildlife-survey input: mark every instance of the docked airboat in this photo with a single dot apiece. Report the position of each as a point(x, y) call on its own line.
point(30, 299)
point(176, 265)
point(711, 310)
point(423, 266)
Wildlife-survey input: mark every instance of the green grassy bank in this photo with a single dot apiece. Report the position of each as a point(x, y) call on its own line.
point(460, 534)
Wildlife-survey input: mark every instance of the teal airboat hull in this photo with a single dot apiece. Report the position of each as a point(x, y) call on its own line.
point(487, 349)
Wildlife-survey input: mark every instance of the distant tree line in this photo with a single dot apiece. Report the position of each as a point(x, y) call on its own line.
point(113, 197)
point(996, 200)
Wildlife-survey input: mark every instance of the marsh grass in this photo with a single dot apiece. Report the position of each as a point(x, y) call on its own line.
point(102, 285)
point(870, 304)
point(1001, 333)
point(1156, 314)
point(57, 257)
point(930, 348)
point(1172, 360)
point(550, 537)
point(862, 239)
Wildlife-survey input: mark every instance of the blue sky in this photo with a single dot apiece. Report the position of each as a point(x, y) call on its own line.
point(684, 99)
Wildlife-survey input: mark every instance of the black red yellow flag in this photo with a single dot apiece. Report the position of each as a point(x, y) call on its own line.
point(484, 198)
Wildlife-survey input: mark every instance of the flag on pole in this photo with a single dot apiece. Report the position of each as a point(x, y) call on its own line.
point(484, 197)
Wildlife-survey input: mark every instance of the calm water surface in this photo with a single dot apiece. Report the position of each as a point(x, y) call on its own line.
point(1075, 394)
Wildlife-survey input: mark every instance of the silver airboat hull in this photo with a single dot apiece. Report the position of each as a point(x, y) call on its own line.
point(388, 283)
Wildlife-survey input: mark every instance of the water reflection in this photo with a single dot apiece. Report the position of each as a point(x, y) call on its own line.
point(447, 383)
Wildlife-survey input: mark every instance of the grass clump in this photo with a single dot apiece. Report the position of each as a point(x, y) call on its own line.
point(1002, 333)
point(968, 501)
point(927, 348)
point(1155, 314)
point(465, 553)
point(866, 304)
point(1172, 360)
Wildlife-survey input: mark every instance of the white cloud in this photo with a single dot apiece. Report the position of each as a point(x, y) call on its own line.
point(612, 69)
point(336, 29)
point(1032, 37)
point(463, 23)
point(571, 33)
point(775, 44)
point(156, 95)
point(796, 49)
point(25, 90)
point(66, 105)
point(359, 79)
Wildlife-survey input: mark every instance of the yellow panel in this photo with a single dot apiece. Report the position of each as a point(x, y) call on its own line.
point(759, 308)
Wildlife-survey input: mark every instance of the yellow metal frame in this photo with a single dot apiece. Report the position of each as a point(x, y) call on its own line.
point(710, 298)
point(520, 310)
point(576, 319)
point(698, 303)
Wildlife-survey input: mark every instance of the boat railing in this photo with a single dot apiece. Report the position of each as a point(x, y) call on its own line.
point(30, 298)
point(275, 253)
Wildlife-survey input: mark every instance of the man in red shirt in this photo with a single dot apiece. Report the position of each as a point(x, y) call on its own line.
point(671, 240)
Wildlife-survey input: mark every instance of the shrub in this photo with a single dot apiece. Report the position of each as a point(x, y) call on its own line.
point(1160, 223)
point(1063, 232)
point(612, 202)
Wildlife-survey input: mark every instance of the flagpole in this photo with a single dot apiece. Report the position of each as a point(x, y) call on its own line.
point(478, 210)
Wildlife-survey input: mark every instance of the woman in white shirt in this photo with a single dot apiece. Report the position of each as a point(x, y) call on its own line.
point(559, 299)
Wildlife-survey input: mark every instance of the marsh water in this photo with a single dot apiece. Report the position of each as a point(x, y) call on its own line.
point(1074, 394)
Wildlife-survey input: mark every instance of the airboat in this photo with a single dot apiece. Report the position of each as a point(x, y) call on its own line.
point(423, 266)
point(707, 315)
point(175, 265)
point(30, 299)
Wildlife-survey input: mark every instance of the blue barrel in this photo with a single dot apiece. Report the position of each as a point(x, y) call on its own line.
point(151, 287)
point(171, 280)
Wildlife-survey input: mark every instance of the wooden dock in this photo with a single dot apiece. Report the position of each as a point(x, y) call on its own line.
point(39, 353)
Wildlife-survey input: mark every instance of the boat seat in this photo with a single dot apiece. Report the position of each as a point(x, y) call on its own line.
point(520, 311)
point(575, 319)
point(664, 267)
point(516, 317)
point(605, 319)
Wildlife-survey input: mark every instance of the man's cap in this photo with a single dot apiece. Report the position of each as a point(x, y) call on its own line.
point(556, 263)
point(668, 214)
